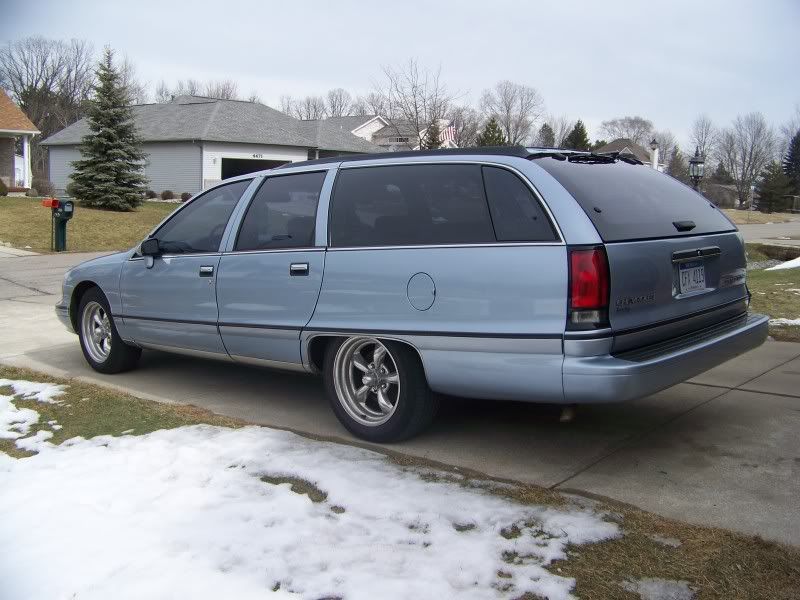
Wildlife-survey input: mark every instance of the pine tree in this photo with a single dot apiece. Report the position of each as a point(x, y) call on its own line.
point(791, 162)
point(598, 144)
point(677, 166)
point(772, 188)
point(546, 137)
point(721, 175)
point(431, 139)
point(577, 139)
point(109, 174)
point(492, 135)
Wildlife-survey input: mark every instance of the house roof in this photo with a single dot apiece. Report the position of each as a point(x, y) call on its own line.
point(350, 123)
point(396, 128)
point(334, 134)
point(12, 118)
point(626, 146)
point(211, 119)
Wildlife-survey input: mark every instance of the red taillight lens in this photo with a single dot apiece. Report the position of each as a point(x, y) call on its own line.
point(588, 287)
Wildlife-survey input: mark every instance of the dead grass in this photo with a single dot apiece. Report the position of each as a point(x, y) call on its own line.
point(719, 564)
point(25, 222)
point(744, 217)
point(772, 296)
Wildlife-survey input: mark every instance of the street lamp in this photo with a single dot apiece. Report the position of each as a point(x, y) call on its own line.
point(697, 167)
point(654, 154)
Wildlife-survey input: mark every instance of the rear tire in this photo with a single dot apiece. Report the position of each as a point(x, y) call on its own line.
point(102, 347)
point(377, 389)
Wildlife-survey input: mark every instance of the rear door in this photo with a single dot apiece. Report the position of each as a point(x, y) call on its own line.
point(676, 262)
point(269, 282)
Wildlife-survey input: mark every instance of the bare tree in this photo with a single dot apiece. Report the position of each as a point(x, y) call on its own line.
point(163, 93)
point(224, 89)
point(515, 107)
point(636, 129)
point(561, 126)
point(414, 98)
point(254, 98)
point(371, 104)
point(666, 145)
point(340, 102)
point(51, 80)
point(703, 135)
point(788, 131)
point(189, 87)
point(287, 105)
point(137, 90)
point(744, 150)
point(467, 124)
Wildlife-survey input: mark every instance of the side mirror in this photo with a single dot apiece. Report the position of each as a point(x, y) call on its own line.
point(150, 247)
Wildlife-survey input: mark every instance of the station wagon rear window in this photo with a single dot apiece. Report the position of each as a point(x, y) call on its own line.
point(627, 202)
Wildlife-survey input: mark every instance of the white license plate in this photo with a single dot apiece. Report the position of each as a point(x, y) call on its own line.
point(691, 277)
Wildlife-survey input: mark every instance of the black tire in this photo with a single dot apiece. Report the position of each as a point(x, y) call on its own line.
point(121, 357)
point(416, 404)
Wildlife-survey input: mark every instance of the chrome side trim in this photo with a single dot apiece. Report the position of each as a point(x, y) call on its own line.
point(272, 364)
point(275, 250)
point(184, 351)
point(431, 246)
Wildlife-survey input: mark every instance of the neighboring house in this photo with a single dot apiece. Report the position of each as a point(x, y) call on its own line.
point(626, 146)
point(15, 125)
point(194, 142)
point(401, 135)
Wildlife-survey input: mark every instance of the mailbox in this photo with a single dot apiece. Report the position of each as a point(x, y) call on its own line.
point(62, 211)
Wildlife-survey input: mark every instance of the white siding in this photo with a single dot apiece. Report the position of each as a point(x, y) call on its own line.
point(366, 130)
point(214, 152)
point(60, 165)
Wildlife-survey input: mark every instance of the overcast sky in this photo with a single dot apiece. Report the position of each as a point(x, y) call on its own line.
point(666, 61)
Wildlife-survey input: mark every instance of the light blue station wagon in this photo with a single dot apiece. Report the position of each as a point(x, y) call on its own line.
point(515, 274)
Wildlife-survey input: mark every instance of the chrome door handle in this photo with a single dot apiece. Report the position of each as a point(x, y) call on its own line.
point(206, 271)
point(298, 269)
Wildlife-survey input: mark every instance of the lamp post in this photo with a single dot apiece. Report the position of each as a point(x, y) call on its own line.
point(654, 154)
point(697, 167)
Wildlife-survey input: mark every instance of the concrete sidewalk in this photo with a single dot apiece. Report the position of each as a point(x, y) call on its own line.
point(720, 450)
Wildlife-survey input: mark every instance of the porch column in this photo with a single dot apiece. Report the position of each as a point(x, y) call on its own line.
point(26, 162)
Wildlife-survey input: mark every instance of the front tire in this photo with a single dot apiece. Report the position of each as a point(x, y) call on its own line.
point(377, 389)
point(102, 347)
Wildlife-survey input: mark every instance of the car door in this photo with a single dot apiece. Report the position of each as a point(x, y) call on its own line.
point(270, 279)
point(170, 301)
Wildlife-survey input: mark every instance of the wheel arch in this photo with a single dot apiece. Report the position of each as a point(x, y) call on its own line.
point(75, 300)
point(317, 344)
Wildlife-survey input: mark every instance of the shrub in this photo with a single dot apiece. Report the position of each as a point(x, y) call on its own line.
point(150, 194)
point(43, 186)
point(32, 193)
point(3, 188)
point(167, 195)
point(185, 196)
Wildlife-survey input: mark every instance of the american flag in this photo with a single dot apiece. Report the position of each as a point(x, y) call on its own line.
point(448, 134)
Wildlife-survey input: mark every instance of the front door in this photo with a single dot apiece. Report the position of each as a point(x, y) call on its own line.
point(171, 302)
point(269, 283)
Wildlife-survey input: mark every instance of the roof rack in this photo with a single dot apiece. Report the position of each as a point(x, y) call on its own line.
point(519, 151)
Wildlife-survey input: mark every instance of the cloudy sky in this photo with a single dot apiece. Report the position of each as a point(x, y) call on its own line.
point(667, 61)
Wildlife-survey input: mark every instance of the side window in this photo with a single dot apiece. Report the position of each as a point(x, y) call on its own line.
point(199, 226)
point(516, 213)
point(282, 213)
point(410, 205)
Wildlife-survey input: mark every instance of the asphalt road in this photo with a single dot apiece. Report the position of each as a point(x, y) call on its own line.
point(723, 449)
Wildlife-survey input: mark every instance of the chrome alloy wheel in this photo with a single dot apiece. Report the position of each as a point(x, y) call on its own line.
point(366, 380)
point(96, 329)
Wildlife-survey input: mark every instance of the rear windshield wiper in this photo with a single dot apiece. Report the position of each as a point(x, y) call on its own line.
point(628, 158)
point(588, 157)
point(591, 157)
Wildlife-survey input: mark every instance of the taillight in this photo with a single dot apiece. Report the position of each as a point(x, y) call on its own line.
point(588, 288)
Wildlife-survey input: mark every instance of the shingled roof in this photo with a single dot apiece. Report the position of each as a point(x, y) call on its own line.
point(12, 119)
point(213, 120)
point(626, 146)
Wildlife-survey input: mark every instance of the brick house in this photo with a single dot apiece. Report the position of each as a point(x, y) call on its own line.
point(14, 125)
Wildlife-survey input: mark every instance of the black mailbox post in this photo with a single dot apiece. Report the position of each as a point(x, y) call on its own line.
point(62, 211)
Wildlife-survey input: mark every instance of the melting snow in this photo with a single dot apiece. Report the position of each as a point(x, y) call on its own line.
point(659, 589)
point(789, 264)
point(184, 513)
point(782, 321)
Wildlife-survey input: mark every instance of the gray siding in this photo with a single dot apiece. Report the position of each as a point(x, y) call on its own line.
point(170, 166)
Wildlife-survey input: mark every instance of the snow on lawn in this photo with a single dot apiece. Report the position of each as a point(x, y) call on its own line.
point(184, 513)
point(781, 321)
point(16, 422)
point(789, 264)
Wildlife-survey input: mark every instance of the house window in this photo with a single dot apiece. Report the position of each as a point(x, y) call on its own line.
point(398, 140)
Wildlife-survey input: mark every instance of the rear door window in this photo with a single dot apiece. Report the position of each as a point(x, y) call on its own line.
point(410, 205)
point(282, 213)
point(516, 213)
point(627, 202)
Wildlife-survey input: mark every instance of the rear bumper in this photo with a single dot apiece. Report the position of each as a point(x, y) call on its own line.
point(62, 312)
point(644, 371)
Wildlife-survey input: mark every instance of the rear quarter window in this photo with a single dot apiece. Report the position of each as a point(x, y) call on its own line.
point(628, 202)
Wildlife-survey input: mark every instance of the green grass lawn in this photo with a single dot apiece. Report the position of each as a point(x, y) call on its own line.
point(25, 222)
point(773, 296)
point(718, 563)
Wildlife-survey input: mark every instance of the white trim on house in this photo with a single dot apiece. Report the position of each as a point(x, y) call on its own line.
point(368, 135)
point(214, 152)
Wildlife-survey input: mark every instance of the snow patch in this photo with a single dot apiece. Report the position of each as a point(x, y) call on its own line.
point(659, 589)
point(665, 541)
point(789, 264)
point(783, 322)
point(16, 422)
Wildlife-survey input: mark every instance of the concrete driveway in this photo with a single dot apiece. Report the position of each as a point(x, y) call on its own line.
point(722, 449)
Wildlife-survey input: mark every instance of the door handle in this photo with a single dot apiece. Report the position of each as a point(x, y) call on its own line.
point(206, 271)
point(298, 269)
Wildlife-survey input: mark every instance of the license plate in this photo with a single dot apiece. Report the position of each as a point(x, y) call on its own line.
point(691, 277)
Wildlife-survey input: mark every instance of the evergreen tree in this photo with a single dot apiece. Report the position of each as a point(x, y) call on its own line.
point(721, 175)
point(109, 174)
point(431, 139)
point(598, 144)
point(772, 188)
point(577, 139)
point(546, 137)
point(791, 162)
point(492, 135)
point(677, 166)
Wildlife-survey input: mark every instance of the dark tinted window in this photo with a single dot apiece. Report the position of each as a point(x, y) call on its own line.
point(634, 201)
point(410, 205)
point(516, 214)
point(199, 226)
point(282, 213)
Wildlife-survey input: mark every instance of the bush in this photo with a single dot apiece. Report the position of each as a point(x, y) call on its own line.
point(3, 188)
point(32, 193)
point(167, 195)
point(43, 186)
point(185, 196)
point(150, 194)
